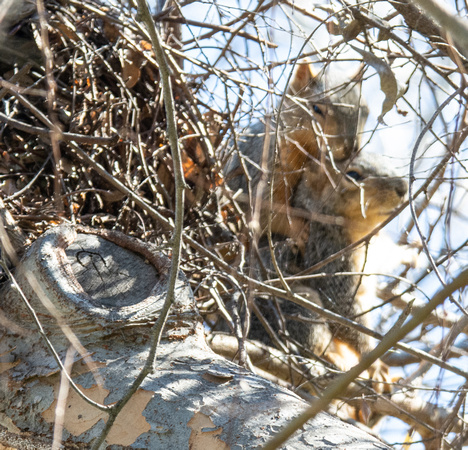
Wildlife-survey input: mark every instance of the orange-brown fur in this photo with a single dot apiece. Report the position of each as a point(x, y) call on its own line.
point(320, 117)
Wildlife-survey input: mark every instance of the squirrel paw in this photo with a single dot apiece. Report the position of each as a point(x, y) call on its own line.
point(301, 240)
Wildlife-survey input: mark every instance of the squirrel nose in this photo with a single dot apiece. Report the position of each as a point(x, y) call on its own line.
point(401, 187)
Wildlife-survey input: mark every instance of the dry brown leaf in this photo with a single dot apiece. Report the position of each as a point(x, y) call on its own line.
point(388, 82)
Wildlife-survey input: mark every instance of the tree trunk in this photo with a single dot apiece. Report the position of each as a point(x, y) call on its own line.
point(100, 293)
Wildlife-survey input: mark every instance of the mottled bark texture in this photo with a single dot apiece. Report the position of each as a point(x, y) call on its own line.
point(106, 291)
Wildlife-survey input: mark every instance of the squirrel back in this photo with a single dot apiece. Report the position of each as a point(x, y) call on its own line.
point(321, 115)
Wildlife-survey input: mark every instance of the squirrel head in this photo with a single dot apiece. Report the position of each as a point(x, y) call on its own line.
point(364, 191)
point(324, 110)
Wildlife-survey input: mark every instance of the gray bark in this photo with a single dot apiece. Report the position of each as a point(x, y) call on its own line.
point(109, 296)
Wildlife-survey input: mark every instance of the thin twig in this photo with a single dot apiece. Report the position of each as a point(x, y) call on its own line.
point(410, 191)
point(49, 345)
point(68, 137)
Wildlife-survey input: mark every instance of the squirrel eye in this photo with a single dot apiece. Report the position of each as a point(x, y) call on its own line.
point(354, 175)
point(317, 110)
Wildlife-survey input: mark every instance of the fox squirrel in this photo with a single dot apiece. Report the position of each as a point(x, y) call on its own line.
point(356, 198)
point(321, 115)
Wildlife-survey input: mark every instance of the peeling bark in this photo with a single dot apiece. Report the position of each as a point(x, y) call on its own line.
point(108, 296)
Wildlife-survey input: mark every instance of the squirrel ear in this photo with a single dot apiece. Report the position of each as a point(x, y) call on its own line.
point(303, 76)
